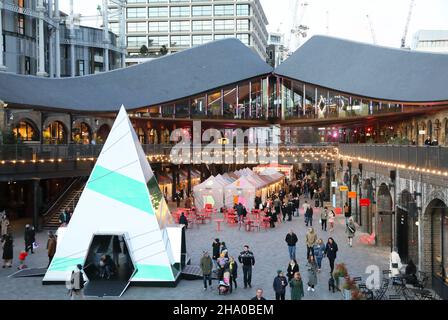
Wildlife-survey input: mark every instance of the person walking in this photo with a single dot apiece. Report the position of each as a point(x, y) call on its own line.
point(350, 231)
point(319, 251)
point(240, 214)
point(279, 285)
point(215, 251)
point(247, 259)
point(305, 207)
point(331, 216)
point(347, 213)
point(77, 283)
point(30, 238)
point(309, 216)
point(331, 249)
point(8, 251)
point(206, 268)
point(293, 267)
point(233, 269)
point(291, 240)
point(323, 218)
point(51, 247)
point(312, 273)
point(296, 202)
point(310, 239)
point(4, 225)
point(296, 285)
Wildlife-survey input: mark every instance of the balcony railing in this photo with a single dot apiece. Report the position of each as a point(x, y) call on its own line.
point(423, 157)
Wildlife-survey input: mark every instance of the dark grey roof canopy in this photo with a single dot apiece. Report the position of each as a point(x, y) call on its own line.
point(369, 70)
point(169, 78)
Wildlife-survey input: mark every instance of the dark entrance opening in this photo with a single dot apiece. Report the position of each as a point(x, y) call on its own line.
point(108, 266)
point(407, 230)
point(402, 234)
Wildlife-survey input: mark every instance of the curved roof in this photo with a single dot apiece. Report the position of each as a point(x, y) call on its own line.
point(369, 70)
point(169, 78)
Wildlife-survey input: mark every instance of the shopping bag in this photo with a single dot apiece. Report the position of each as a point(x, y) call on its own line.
point(35, 245)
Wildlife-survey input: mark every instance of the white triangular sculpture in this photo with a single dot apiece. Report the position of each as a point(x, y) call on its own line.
point(122, 197)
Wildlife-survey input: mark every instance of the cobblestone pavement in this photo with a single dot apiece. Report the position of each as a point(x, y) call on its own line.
point(270, 252)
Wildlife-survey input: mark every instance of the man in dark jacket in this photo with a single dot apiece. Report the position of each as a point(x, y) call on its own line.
point(258, 296)
point(216, 245)
point(183, 220)
point(247, 259)
point(291, 240)
point(296, 202)
point(309, 216)
point(280, 284)
point(30, 238)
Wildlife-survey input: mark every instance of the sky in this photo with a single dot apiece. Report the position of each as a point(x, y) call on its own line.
point(344, 18)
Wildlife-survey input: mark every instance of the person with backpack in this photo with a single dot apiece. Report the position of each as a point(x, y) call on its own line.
point(279, 285)
point(77, 283)
point(291, 240)
point(350, 231)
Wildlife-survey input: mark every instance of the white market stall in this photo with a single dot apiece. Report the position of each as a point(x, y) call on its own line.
point(211, 191)
point(240, 191)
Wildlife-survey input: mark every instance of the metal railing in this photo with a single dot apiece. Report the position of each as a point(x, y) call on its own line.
point(430, 157)
point(72, 152)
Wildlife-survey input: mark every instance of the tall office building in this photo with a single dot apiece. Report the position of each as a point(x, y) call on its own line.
point(180, 24)
point(276, 50)
point(431, 41)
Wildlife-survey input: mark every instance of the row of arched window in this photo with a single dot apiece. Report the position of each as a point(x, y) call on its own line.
point(56, 133)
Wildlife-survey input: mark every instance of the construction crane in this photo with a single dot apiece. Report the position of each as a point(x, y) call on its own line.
point(371, 29)
point(298, 29)
point(408, 21)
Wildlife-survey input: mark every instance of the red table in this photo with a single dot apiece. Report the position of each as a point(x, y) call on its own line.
point(218, 224)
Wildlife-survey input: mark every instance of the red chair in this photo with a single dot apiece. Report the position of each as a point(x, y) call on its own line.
point(208, 206)
point(266, 222)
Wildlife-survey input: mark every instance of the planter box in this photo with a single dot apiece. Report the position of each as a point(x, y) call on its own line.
point(347, 294)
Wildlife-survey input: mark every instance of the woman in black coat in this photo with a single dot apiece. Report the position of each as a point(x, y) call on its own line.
point(330, 251)
point(293, 267)
point(7, 251)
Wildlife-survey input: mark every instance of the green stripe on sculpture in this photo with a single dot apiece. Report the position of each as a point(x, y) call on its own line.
point(120, 188)
point(65, 264)
point(161, 273)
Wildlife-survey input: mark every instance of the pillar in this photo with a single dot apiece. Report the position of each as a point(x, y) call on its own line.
point(57, 40)
point(123, 34)
point(2, 63)
point(41, 40)
point(72, 40)
point(36, 193)
point(106, 36)
point(173, 184)
point(188, 180)
point(51, 42)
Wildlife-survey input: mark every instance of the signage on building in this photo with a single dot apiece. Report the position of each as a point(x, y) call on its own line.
point(352, 195)
point(365, 202)
point(334, 184)
point(343, 188)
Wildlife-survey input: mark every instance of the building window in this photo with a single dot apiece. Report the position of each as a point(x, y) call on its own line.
point(244, 38)
point(201, 39)
point(136, 42)
point(224, 36)
point(135, 13)
point(81, 133)
point(158, 26)
point(202, 11)
point(180, 11)
point(180, 26)
point(25, 131)
point(242, 10)
point(137, 1)
point(180, 41)
point(202, 25)
point(158, 12)
point(243, 25)
point(137, 27)
point(21, 24)
point(224, 10)
point(228, 25)
point(81, 69)
point(158, 41)
point(55, 133)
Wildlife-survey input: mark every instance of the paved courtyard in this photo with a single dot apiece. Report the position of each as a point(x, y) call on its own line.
point(268, 246)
